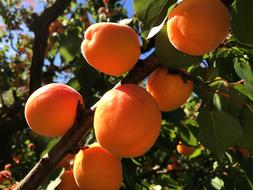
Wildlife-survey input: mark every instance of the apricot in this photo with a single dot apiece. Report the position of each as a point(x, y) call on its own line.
point(127, 121)
point(169, 90)
point(184, 149)
point(197, 27)
point(5, 176)
point(111, 48)
point(68, 181)
point(171, 167)
point(95, 168)
point(51, 109)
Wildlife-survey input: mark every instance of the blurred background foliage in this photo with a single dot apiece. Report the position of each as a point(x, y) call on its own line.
point(217, 120)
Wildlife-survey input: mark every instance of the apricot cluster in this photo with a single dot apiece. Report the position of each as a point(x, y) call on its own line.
point(127, 119)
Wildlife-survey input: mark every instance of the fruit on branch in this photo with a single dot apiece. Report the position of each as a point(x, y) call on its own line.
point(169, 90)
point(95, 168)
point(51, 109)
point(68, 181)
point(197, 27)
point(127, 121)
point(111, 48)
point(184, 149)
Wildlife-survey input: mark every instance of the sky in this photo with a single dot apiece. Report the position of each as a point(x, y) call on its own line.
point(128, 4)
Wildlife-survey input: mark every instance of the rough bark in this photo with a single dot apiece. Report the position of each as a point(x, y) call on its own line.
point(40, 25)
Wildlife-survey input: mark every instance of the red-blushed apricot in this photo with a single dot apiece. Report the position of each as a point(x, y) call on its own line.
point(95, 169)
point(68, 181)
point(197, 27)
point(5, 176)
point(51, 109)
point(169, 90)
point(184, 149)
point(127, 121)
point(111, 48)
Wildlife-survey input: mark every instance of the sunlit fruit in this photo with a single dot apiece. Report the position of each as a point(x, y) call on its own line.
point(184, 149)
point(127, 121)
point(197, 27)
point(97, 169)
point(169, 90)
point(111, 48)
point(51, 110)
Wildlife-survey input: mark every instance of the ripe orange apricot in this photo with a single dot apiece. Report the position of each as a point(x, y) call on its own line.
point(127, 121)
point(169, 90)
point(111, 48)
point(51, 109)
point(68, 181)
point(197, 27)
point(95, 168)
point(184, 149)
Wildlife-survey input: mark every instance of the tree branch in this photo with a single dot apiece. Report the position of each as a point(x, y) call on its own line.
point(71, 141)
point(40, 27)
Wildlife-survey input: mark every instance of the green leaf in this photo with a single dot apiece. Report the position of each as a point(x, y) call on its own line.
point(129, 172)
point(237, 179)
point(50, 145)
point(241, 23)
point(217, 101)
point(152, 14)
point(217, 183)
point(168, 55)
point(243, 70)
point(187, 136)
point(74, 83)
point(70, 46)
point(218, 130)
point(242, 89)
point(229, 100)
point(52, 180)
point(246, 120)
